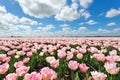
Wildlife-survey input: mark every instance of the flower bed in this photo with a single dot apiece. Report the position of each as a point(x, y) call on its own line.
point(59, 59)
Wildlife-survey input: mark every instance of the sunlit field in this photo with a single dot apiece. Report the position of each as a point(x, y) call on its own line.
point(57, 58)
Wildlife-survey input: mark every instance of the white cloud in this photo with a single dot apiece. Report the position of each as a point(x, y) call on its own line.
point(47, 28)
point(64, 25)
point(83, 29)
point(103, 31)
point(111, 24)
point(67, 14)
point(12, 19)
point(85, 3)
point(2, 9)
point(84, 13)
point(91, 22)
point(70, 13)
point(25, 20)
point(11, 24)
point(112, 13)
point(41, 8)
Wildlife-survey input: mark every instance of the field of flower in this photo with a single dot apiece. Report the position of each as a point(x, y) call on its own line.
point(60, 58)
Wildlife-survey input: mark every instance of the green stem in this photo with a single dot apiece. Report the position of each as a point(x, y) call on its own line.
point(72, 75)
point(92, 67)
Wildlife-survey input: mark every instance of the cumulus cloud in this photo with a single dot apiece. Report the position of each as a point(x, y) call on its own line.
point(41, 8)
point(84, 13)
point(111, 24)
point(2, 9)
point(68, 14)
point(61, 10)
point(73, 12)
point(112, 13)
point(47, 28)
point(13, 24)
point(85, 3)
point(91, 22)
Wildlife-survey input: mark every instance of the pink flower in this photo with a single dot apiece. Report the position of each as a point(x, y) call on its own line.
point(50, 59)
point(26, 60)
point(48, 74)
point(11, 76)
point(69, 56)
point(113, 53)
point(12, 52)
point(99, 57)
point(33, 76)
point(21, 53)
point(25, 49)
point(98, 75)
point(18, 64)
point(110, 59)
point(21, 71)
point(61, 54)
point(4, 68)
point(54, 63)
point(73, 65)
point(83, 68)
point(2, 56)
point(29, 54)
point(79, 56)
point(93, 49)
point(83, 50)
point(74, 51)
point(111, 68)
point(7, 59)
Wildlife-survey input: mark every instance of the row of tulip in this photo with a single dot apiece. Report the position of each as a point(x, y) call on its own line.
point(59, 59)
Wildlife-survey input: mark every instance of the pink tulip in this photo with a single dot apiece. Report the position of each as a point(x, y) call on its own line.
point(82, 50)
point(4, 68)
point(29, 54)
point(48, 74)
point(2, 56)
point(54, 63)
point(21, 53)
point(79, 56)
point(21, 71)
point(98, 75)
point(113, 53)
point(7, 59)
point(83, 68)
point(11, 76)
point(61, 54)
point(50, 59)
point(18, 64)
point(25, 49)
point(110, 59)
point(73, 65)
point(111, 68)
point(93, 49)
point(33, 76)
point(99, 57)
point(26, 60)
point(12, 52)
point(69, 56)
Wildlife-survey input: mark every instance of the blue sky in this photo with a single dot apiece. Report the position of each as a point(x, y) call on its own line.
point(59, 18)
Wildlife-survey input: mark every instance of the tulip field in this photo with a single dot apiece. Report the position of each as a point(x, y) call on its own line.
point(70, 58)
